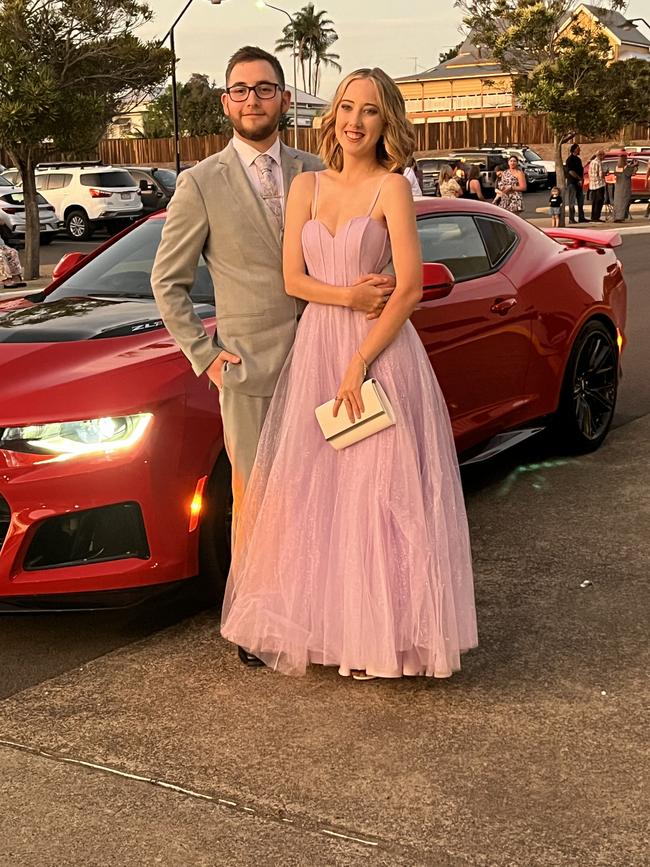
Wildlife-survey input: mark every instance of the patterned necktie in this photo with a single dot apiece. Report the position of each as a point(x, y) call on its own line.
point(270, 193)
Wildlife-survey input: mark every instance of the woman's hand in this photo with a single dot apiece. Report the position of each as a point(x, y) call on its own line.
point(349, 391)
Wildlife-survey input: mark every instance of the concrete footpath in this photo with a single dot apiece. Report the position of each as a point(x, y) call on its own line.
point(535, 755)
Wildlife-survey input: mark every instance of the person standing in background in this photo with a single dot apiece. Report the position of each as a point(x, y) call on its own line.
point(574, 177)
point(597, 186)
point(412, 176)
point(623, 190)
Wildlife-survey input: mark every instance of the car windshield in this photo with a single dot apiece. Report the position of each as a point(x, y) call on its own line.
point(531, 155)
point(167, 177)
point(123, 270)
point(107, 179)
point(4, 182)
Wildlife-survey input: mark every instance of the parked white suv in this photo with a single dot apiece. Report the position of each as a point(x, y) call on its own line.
point(88, 194)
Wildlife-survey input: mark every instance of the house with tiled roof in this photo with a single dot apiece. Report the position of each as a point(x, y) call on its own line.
point(626, 39)
point(472, 84)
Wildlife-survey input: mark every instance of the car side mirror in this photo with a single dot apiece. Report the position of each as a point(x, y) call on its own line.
point(437, 281)
point(66, 263)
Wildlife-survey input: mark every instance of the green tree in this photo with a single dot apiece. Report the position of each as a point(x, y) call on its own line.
point(563, 73)
point(451, 52)
point(199, 110)
point(66, 68)
point(315, 35)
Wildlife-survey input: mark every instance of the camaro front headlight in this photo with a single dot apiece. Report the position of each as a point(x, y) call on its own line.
point(77, 437)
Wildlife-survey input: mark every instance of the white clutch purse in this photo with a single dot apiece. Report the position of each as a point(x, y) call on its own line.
point(340, 432)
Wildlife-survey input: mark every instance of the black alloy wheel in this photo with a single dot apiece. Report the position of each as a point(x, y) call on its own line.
point(78, 226)
point(590, 389)
point(215, 535)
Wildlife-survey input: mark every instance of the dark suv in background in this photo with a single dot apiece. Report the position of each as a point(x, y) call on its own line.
point(157, 186)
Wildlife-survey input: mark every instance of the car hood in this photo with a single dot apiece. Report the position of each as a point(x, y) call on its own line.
point(80, 357)
point(82, 318)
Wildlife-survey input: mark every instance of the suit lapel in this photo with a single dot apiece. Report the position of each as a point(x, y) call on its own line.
point(251, 204)
point(291, 166)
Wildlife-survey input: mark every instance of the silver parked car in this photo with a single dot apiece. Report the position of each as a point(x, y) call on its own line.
point(12, 203)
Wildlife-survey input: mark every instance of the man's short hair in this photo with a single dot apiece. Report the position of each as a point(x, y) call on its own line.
point(573, 147)
point(249, 53)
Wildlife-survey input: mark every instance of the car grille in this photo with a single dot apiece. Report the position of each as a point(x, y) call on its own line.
point(94, 535)
point(5, 519)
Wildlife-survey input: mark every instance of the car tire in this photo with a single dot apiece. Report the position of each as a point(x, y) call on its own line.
point(47, 239)
point(589, 390)
point(78, 226)
point(215, 535)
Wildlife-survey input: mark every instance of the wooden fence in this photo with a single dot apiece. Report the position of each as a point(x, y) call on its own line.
point(431, 136)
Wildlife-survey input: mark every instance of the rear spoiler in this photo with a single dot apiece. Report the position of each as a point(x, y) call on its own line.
point(585, 237)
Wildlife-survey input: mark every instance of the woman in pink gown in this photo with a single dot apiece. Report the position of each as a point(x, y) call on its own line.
point(358, 558)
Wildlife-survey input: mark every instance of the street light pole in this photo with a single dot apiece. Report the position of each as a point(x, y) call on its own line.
point(295, 68)
point(170, 35)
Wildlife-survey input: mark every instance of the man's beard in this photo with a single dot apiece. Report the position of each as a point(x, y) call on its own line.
point(260, 133)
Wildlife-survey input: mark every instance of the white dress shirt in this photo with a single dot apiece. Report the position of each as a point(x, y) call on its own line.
point(248, 154)
point(412, 178)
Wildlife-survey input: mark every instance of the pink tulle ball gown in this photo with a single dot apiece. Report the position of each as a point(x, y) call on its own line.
point(358, 558)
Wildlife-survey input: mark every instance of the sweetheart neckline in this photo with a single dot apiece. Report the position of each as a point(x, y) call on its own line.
point(334, 235)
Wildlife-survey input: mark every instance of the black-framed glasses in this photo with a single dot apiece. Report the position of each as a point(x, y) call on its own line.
point(263, 90)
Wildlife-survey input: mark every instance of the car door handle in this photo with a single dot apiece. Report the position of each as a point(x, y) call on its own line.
point(503, 305)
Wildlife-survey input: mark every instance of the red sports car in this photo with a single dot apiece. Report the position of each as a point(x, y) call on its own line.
point(113, 475)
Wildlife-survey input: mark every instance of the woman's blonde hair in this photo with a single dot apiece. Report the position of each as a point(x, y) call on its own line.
point(446, 174)
point(397, 142)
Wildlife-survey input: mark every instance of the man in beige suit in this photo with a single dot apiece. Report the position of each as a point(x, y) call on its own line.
point(229, 208)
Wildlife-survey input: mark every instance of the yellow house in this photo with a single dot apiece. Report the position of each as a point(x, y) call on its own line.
point(472, 84)
point(625, 38)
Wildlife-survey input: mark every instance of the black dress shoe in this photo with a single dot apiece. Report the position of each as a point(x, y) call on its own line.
point(573, 222)
point(584, 221)
point(248, 658)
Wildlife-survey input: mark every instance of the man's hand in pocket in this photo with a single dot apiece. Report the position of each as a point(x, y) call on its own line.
point(215, 371)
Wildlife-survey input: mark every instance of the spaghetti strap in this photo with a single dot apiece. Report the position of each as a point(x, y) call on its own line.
point(376, 198)
point(314, 201)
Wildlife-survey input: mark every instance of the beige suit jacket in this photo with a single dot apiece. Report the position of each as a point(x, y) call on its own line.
point(215, 212)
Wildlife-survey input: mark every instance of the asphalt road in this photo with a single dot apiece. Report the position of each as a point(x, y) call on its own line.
point(34, 648)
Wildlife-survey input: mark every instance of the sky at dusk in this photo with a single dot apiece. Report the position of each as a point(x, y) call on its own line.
point(383, 33)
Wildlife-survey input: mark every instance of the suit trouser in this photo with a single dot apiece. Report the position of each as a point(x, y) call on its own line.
point(576, 196)
point(243, 417)
point(597, 202)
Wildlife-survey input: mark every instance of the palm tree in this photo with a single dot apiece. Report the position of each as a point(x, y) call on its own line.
point(324, 58)
point(314, 35)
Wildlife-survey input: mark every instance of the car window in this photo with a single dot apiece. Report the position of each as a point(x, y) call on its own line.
point(531, 155)
point(642, 168)
point(123, 270)
point(166, 177)
point(42, 181)
point(58, 181)
point(107, 179)
point(18, 198)
point(499, 238)
point(454, 240)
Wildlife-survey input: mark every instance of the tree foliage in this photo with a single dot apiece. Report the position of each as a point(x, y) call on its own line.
point(450, 53)
point(66, 68)
point(199, 110)
point(315, 35)
point(565, 72)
